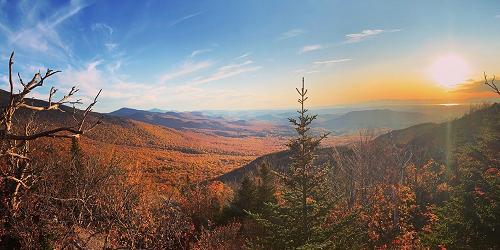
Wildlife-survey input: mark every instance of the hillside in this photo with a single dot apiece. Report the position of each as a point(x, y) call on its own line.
point(373, 119)
point(427, 140)
point(201, 123)
point(439, 141)
point(163, 154)
point(349, 120)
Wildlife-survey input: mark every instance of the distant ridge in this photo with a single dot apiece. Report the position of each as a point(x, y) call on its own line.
point(199, 122)
point(426, 140)
point(262, 124)
point(165, 155)
point(374, 119)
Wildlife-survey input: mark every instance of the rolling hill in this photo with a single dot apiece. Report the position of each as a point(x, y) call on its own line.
point(216, 125)
point(373, 119)
point(428, 140)
point(275, 123)
point(166, 146)
point(165, 155)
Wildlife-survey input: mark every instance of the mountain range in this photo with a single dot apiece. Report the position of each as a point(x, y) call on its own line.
point(167, 146)
point(436, 141)
point(273, 123)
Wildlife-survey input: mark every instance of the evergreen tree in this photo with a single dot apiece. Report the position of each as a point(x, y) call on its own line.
point(252, 194)
point(245, 199)
point(265, 191)
point(298, 221)
point(471, 217)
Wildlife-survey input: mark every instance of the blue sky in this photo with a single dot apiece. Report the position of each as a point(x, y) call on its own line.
point(192, 55)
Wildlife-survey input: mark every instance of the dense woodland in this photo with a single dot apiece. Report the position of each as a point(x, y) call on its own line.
point(429, 186)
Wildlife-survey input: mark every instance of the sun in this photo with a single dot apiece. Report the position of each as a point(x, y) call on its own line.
point(448, 71)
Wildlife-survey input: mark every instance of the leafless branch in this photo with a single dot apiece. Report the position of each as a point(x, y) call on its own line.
point(17, 180)
point(491, 83)
point(17, 155)
point(11, 81)
point(18, 101)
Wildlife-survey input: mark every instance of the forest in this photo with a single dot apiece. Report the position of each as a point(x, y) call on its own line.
point(430, 186)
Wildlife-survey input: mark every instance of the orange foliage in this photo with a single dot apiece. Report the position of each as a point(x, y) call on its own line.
point(205, 202)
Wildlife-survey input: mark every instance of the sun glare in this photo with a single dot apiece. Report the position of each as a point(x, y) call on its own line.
point(449, 70)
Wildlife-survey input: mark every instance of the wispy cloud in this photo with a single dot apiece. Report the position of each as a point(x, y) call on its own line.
point(310, 48)
point(117, 91)
point(332, 61)
point(4, 29)
point(291, 33)
point(39, 34)
point(473, 86)
point(199, 52)
point(365, 34)
point(185, 69)
point(318, 66)
point(111, 46)
point(228, 71)
point(184, 18)
point(115, 66)
point(105, 33)
point(89, 79)
point(497, 16)
point(306, 72)
point(242, 56)
point(102, 27)
point(73, 10)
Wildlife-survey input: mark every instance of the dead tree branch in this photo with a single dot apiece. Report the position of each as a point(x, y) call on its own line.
point(14, 142)
point(491, 84)
point(19, 101)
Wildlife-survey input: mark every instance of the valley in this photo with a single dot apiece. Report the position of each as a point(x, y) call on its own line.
point(221, 125)
point(167, 146)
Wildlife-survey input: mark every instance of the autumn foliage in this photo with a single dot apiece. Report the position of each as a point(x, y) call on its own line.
point(81, 191)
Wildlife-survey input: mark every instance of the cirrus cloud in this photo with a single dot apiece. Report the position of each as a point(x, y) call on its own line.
point(332, 61)
point(185, 69)
point(365, 34)
point(310, 48)
point(228, 71)
point(289, 34)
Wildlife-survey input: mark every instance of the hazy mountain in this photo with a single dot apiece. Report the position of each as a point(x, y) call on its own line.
point(275, 122)
point(199, 122)
point(373, 119)
point(427, 140)
point(351, 118)
point(164, 154)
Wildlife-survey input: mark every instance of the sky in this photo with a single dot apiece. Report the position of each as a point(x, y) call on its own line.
point(231, 55)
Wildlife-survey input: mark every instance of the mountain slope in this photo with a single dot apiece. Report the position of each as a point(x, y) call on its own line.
point(373, 119)
point(198, 122)
point(163, 154)
point(439, 141)
point(429, 140)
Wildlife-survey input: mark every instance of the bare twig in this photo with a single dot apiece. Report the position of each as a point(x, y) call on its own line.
point(491, 83)
point(14, 143)
point(11, 81)
point(17, 180)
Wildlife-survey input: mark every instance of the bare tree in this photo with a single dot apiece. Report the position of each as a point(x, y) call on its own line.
point(357, 168)
point(15, 171)
point(491, 84)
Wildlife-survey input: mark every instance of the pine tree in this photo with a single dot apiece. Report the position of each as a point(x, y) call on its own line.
point(299, 220)
point(265, 191)
point(245, 197)
point(471, 217)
